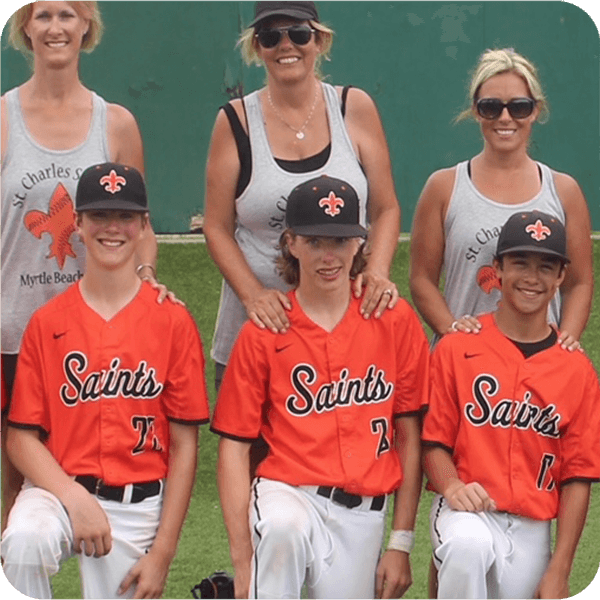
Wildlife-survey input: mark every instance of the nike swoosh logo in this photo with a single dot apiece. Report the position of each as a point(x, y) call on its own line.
point(471, 354)
point(56, 336)
point(277, 350)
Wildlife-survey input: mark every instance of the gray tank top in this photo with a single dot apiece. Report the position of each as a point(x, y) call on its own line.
point(41, 253)
point(261, 209)
point(472, 226)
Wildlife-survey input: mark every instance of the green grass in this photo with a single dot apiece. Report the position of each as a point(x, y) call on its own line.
point(190, 273)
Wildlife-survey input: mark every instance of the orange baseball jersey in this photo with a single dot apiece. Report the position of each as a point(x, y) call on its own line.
point(521, 427)
point(4, 398)
point(326, 402)
point(105, 391)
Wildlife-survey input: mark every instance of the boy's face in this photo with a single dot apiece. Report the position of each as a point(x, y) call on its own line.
point(110, 236)
point(529, 280)
point(325, 262)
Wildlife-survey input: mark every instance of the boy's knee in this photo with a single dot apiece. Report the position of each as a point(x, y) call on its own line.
point(469, 549)
point(35, 541)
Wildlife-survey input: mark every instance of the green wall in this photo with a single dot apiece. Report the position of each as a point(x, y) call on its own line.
point(174, 63)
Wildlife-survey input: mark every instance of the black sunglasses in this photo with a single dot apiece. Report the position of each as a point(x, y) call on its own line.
point(518, 108)
point(298, 34)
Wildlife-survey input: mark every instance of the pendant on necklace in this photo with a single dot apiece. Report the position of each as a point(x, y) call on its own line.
point(300, 135)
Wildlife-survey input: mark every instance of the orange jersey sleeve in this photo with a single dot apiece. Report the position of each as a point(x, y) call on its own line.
point(519, 426)
point(103, 392)
point(325, 402)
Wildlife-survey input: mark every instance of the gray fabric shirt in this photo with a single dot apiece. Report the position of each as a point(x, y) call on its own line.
point(41, 253)
point(471, 229)
point(260, 209)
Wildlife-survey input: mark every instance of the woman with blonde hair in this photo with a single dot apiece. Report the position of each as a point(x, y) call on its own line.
point(53, 127)
point(463, 208)
point(264, 144)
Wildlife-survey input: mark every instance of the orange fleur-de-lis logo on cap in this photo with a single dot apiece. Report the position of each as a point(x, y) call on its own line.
point(538, 231)
point(59, 222)
point(332, 204)
point(112, 182)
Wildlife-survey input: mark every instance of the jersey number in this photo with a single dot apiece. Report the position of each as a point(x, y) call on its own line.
point(547, 462)
point(145, 426)
point(380, 427)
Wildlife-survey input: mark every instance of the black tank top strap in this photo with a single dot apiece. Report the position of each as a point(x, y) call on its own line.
point(344, 98)
point(242, 141)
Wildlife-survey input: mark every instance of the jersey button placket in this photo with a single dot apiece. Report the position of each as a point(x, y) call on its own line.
point(109, 420)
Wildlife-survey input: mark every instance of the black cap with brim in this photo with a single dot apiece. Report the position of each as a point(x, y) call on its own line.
point(331, 230)
point(325, 207)
point(533, 250)
point(533, 232)
point(111, 186)
point(303, 11)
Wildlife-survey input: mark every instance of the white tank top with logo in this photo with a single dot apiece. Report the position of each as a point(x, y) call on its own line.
point(41, 253)
point(471, 228)
point(260, 208)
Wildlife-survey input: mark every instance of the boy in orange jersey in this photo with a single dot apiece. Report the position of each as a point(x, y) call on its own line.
point(511, 435)
point(337, 399)
point(104, 418)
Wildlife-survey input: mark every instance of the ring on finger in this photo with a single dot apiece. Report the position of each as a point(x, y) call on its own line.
point(387, 292)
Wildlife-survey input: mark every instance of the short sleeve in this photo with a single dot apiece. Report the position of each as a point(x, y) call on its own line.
point(185, 398)
point(442, 420)
point(412, 382)
point(244, 390)
point(28, 406)
point(580, 445)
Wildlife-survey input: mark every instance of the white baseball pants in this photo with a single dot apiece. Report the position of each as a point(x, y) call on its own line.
point(301, 537)
point(38, 538)
point(488, 554)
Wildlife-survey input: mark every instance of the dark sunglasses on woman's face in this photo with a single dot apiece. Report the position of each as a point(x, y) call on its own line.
point(298, 34)
point(518, 108)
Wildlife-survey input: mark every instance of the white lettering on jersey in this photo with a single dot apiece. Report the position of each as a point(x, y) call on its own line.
point(114, 383)
point(371, 388)
point(510, 413)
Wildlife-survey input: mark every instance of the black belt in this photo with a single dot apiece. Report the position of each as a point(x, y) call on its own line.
point(349, 500)
point(140, 492)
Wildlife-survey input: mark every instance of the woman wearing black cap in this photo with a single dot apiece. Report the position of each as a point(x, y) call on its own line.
point(266, 143)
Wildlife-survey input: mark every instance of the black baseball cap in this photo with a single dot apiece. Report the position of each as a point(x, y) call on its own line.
point(111, 186)
point(326, 207)
point(533, 232)
point(303, 11)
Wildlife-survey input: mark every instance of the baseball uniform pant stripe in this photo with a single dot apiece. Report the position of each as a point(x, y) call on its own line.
point(39, 537)
point(301, 537)
point(488, 554)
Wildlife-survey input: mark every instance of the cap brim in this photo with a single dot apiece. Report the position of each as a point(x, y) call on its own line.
point(290, 13)
point(533, 250)
point(331, 230)
point(114, 204)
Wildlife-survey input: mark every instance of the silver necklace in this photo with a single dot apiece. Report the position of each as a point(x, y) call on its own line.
point(299, 132)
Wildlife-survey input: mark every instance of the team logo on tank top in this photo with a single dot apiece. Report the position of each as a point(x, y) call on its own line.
point(487, 279)
point(59, 222)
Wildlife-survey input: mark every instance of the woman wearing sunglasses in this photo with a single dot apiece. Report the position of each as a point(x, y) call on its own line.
point(462, 208)
point(264, 144)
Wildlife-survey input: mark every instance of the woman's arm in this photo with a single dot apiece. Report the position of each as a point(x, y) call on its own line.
point(366, 132)
point(265, 307)
point(578, 286)
point(427, 251)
